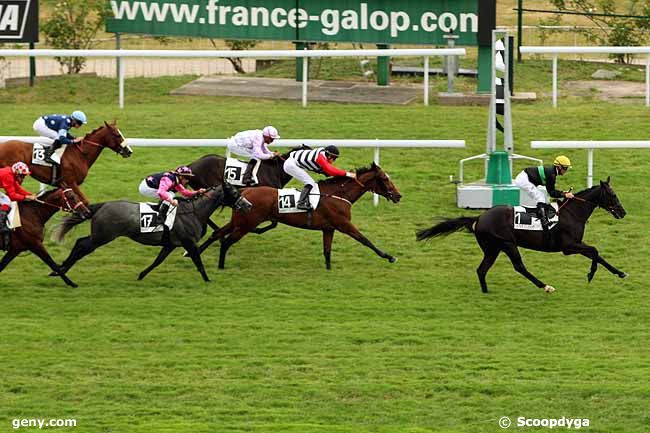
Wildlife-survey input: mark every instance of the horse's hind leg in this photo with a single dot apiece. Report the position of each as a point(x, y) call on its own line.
point(82, 247)
point(513, 253)
point(193, 251)
point(328, 235)
point(42, 253)
point(162, 255)
point(214, 237)
point(226, 243)
point(490, 254)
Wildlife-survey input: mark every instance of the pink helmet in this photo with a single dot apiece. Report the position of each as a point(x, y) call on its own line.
point(270, 131)
point(184, 170)
point(21, 168)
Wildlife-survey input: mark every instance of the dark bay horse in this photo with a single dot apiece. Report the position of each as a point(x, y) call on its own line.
point(33, 215)
point(333, 213)
point(77, 158)
point(495, 232)
point(113, 219)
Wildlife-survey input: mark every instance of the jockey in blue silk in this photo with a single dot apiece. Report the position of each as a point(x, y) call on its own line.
point(57, 127)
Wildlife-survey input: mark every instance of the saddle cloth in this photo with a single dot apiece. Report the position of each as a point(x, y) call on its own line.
point(13, 217)
point(149, 214)
point(526, 218)
point(38, 154)
point(233, 172)
point(288, 199)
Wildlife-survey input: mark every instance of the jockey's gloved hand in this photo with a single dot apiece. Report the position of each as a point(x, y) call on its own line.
point(351, 174)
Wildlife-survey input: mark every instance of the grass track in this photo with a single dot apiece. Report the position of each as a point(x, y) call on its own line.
point(275, 343)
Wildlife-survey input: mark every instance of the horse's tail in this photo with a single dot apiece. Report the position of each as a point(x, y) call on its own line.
point(448, 225)
point(70, 221)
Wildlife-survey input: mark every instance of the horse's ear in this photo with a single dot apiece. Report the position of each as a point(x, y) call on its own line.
point(106, 123)
point(608, 178)
point(373, 165)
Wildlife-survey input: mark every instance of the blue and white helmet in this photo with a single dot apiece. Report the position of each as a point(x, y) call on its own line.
point(79, 116)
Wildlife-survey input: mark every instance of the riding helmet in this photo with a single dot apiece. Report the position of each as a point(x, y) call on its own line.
point(79, 116)
point(332, 151)
point(270, 131)
point(184, 170)
point(562, 161)
point(21, 168)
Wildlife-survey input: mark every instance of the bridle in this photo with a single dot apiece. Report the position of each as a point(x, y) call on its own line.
point(67, 206)
point(597, 204)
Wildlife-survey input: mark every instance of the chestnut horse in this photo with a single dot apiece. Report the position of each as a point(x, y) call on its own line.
point(495, 232)
point(33, 215)
point(333, 212)
point(76, 160)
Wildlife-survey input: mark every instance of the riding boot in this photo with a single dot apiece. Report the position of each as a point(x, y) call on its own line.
point(303, 201)
point(4, 230)
point(543, 219)
point(248, 174)
point(162, 213)
point(49, 151)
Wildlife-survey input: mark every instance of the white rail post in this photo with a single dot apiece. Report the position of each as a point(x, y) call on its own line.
point(375, 197)
point(426, 81)
point(590, 167)
point(554, 80)
point(647, 81)
point(305, 71)
point(121, 81)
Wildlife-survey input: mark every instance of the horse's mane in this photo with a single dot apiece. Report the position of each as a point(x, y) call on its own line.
point(45, 194)
point(95, 130)
point(197, 196)
point(359, 170)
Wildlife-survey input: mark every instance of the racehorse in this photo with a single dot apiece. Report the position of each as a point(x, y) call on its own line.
point(76, 160)
point(113, 219)
point(33, 215)
point(333, 213)
point(495, 232)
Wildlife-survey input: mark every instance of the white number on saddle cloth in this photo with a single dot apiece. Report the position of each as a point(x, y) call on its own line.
point(288, 200)
point(234, 171)
point(38, 154)
point(148, 217)
point(529, 221)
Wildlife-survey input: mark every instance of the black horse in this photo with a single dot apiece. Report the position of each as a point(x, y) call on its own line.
point(495, 232)
point(113, 219)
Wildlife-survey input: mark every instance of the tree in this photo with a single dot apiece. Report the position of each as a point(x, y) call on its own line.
point(73, 24)
point(625, 28)
point(237, 45)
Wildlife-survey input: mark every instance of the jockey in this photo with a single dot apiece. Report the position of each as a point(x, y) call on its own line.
point(57, 127)
point(163, 185)
point(531, 177)
point(10, 180)
point(319, 160)
point(253, 144)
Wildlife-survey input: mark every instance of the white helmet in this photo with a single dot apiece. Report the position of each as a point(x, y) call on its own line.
point(270, 131)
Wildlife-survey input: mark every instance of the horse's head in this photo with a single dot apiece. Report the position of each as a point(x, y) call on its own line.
point(66, 199)
point(608, 200)
point(110, 136)
point(379, 182)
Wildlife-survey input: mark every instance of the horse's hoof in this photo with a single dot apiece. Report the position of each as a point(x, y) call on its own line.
point(623, 275)
point(392, 259)
point(53, 274)
point(73, 284)
point(549, 289)
point(590, 277)
point(140, 277)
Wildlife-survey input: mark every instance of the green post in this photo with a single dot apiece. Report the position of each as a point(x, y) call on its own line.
point(499, 168)
point(484, 69)
point(383, 67)
point(299, 46)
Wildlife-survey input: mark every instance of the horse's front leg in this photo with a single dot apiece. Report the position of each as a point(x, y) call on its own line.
point(42, 253)
point(591, 253)
point(328, 235)
point(80, 193)
point(162, 255)
point(350, 229)
point(193, 251)
point(7, 258)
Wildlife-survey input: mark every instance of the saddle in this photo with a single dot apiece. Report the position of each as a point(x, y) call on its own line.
point(525, 218)
point(38, 154)
point(288, 200)
point(234, 170)
point(149, 214)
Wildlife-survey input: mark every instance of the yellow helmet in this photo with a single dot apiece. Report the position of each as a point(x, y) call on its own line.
point(562, 161)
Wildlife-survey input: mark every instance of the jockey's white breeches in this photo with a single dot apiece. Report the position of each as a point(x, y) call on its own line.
point(299, 173)
point(41, 129)
point(4, 200)
point(239, 150)
point(533, 192)
point(147, 191)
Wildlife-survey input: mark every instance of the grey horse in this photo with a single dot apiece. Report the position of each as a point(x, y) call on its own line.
point(113, 219)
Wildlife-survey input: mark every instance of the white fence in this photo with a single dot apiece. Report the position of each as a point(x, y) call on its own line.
point(262, 54)
point(590, 146)
point(211, 142)
point(555, 51)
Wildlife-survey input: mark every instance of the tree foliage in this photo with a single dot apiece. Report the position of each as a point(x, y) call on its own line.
point(611, 29)
point(73, 24)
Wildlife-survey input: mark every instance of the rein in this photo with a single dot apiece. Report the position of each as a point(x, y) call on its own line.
point(85, 140)
point(66, 208)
